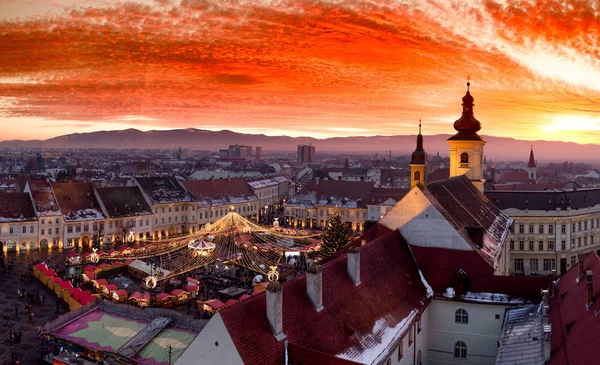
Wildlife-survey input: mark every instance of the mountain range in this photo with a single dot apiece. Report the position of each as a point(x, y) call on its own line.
point(497, 148)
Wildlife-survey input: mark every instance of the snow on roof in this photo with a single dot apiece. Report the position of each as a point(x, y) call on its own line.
point(263, 183)
point(164, 190)
point(491, 298)
point(426, 284)
point(521, 339)
point(373, 345)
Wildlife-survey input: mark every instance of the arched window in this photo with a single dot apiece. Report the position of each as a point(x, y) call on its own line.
point(464, 158)
point(417, 176)
point(461, 316)
point(460, 350)
point(389, 361)
point(419, 358)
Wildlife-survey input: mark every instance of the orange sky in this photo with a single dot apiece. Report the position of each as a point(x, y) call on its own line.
point(300, 67)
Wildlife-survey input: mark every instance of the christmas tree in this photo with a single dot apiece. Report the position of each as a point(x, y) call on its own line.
point(336, 235)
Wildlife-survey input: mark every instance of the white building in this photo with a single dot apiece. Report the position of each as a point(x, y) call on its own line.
point(48, 213)
point(18, 222)
point(216, 198)
point(174, 207)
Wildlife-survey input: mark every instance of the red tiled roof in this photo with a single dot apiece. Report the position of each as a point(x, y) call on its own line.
point(390, 289)
point(342, 189)
point(299, 355)
point(163, 189)
point(379, 195)
point(219, 188)
point(575, 336)
point(439, 174)
point(464, 206)
point(76, 200)
point(16, 207)
point(521, 177)
point(43, 197)
point(123, 201)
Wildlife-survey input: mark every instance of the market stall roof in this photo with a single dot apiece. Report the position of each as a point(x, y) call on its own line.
point(231, 302)
point(111, 287)
point(214, 303)
point(177, 292)
point(162, 296)
point(136, 295)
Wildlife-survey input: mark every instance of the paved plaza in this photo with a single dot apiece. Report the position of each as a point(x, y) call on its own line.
point(29, 348)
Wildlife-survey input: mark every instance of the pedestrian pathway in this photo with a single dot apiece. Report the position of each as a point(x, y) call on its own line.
point(29, 348)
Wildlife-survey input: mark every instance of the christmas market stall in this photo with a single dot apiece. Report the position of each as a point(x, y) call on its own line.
point(119, 296)
point(107, 291)
point(164, 300)
point(99, 284)
point(180, 296)
point(74, 259)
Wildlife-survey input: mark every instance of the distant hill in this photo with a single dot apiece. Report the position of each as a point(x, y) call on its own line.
point(497, 148)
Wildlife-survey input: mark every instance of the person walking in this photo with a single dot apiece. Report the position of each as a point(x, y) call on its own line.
point(31, 317)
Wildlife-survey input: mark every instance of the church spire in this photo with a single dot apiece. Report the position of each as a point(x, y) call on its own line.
point(531, 163)
point(418, 163)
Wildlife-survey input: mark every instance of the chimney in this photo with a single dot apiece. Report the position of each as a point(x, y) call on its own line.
point(580, 267)
point(590, 287)
point(340, 178)
point(354, 264)
point(314, 286)
point(275, 308)
point(476, 234)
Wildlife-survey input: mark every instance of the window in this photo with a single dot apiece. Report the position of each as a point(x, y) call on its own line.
point(512, 245)
point(43, 232)
point(163, 209)
point(573, 260)
point(512, 229)
point(521, 228)
point(183, 218)
point(533, 265)
point(177, 209)
point(155, 220)
point(24, 229)
point(95, 227)
point(410, 336)
point(170, 209)
point(563, 229)
point(591, 239)
point(11, 230)
point(531, 228)
point(573, 227)
point(56, 230)
point(549, 264)
point(43, 221)
point(585, 241)
point(400, 345)
point(551, 229)
point(531, 246)
point(579, 226)
point(141, 222)
point(518, 264)
point(69, 229)
point(417, 176)
point(176, 217)
point(460, 350)
point(56, 221)
point(563, 245)
point(541, 246)
point(461, 316)
point(585, 225)
point(464, 159)
point(102, 226)
point(579, 242)
point(31, 229)
point(521, 246)
point(78, 228)
point(86, 227)
point(419, 325)
point(541, 229)
point(389, 361)
point(550, 245)
point(147, 222)
point(110, 224)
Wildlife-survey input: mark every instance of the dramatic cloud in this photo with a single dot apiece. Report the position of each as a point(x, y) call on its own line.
point(300, 67)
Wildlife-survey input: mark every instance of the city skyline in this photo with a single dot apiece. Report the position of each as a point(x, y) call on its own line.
point(299, 68)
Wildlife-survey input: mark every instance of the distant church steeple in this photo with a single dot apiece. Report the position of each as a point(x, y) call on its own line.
point(418, 163)
point(466, 146)
point(531, 166)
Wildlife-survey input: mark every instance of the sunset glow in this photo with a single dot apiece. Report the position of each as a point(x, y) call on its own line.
point(300, 67)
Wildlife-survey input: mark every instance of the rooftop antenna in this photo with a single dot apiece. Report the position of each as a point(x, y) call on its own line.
point(468, 82)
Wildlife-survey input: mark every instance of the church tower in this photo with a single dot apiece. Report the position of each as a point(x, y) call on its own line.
point(418, 163)
point(466, 146)
point(532, 167)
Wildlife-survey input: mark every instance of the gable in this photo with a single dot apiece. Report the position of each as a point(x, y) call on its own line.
point(422, 224)
point(213, 345)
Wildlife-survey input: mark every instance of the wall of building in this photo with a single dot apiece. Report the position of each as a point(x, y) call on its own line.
point(212, 346)
point(17, 240)
point(422, 224)
point(557, 247)
point(480, 334)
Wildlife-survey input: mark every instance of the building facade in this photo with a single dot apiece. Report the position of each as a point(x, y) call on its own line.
point(18, 222)
point(306, 154)
point(551, 229)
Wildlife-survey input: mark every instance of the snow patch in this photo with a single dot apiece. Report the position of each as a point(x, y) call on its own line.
point(426, 284)
point(491, 298)
point(378, 341)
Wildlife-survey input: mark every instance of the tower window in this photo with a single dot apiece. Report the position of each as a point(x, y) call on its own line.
point(464, 158)
point(417, 176)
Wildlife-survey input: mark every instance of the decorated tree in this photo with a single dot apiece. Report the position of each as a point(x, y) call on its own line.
point(336, 235)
